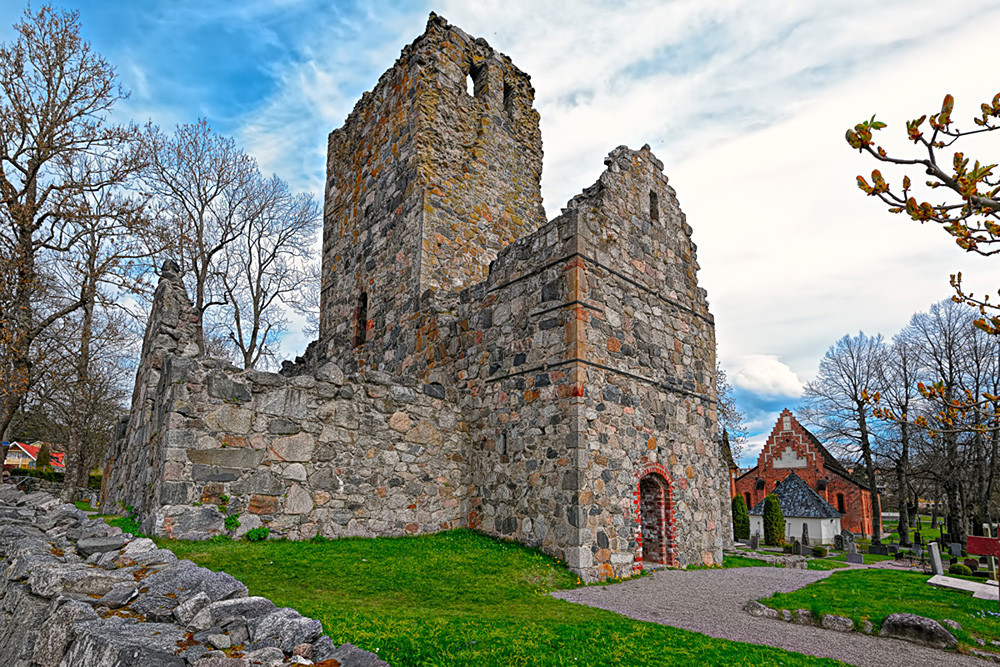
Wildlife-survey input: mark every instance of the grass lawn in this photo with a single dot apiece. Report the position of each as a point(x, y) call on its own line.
point(82, 505)
point(874, 594)
point(458, 598)
point(867, 558)
point(825, 564)
point(742, 561)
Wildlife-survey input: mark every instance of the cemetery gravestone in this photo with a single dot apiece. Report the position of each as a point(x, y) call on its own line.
point(878, 549)
point(936, 566)
point(918, 551)
point(972, 563)
point(755, 541)
point(796, 548)
point(805, 534)
point(955, 548)
point(838, 542)
point(852, 554)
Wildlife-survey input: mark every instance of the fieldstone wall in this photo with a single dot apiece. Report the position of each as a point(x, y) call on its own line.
point(134, 465)
point(426, 183)
point(504, 373)
point(75, 591)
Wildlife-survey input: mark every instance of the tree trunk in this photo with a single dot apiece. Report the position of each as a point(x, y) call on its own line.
point(81, 396)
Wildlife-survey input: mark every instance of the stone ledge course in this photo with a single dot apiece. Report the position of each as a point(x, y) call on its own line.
point(130, 603)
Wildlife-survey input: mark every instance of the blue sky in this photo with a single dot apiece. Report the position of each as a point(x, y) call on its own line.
point(746, 103)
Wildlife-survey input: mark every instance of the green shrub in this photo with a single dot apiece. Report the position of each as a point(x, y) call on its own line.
point(47, 475)
point(960, 568)
point(774, 522)
point(94, 481)
point(741, 518)
point(786, 547)
point(232, 522)
point(819, 551)
point(257, 534)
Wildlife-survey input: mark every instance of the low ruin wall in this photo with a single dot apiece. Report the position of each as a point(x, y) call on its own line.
point(304, 456)
point(76, 591)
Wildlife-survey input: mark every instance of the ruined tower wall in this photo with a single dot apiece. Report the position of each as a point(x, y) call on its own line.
point(426, 182)
point(596, 368)
point(134, 463)
point(521, 387)
point(648, 361)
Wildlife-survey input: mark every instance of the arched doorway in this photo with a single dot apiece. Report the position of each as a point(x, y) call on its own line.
point(655, 520)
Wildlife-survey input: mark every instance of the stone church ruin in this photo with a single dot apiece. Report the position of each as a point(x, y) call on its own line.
point(479, 366)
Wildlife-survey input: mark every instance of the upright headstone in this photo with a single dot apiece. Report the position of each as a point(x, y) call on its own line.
point(796, 548)
point(893, 549)
point(755, 541)
point(955, 548)
point(838, 542)
point(852, 554)
point(918, 551)
point(805, 534)
point(972, 563)
point(936, 566)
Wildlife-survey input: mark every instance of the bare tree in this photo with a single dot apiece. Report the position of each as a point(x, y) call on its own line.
point(899, 397)
point(731, 419)
point(942, 337)
point(268, 267)
point(203, 185)
point(839, 402)
point(55, 98)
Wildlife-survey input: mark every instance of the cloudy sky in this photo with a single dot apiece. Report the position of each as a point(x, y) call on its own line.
point(746, 102)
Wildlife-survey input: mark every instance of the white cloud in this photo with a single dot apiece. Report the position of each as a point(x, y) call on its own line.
point(764, 374)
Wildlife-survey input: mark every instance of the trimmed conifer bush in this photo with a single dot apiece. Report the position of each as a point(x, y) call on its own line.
point(741, 518)
point(819, 551)
point(774, 522)
point(960, 568)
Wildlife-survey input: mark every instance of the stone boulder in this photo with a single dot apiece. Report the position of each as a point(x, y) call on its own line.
point(917, 629)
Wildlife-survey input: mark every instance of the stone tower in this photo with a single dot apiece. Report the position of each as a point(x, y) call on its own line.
point(434, 171)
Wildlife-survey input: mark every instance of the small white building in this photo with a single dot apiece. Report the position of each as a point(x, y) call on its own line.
point(803, 508)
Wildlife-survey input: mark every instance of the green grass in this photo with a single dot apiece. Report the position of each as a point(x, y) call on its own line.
point(825, 564)
point(459, 598)
point(874, 594)
point(742, 561)
point(82, 505)
point(868, 559)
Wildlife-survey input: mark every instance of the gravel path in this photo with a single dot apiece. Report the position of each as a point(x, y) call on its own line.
point(711, 602)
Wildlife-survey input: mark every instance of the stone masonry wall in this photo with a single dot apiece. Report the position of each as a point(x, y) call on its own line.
point(426, 182)
point(589, 357)
point(75, 591)
point(134, 465)
point(309, 455)
point(532, 399)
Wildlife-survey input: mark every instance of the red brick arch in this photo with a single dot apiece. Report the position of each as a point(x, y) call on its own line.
point(654, 516)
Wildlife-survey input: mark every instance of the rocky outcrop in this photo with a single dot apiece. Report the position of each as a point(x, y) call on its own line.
point(75, 591)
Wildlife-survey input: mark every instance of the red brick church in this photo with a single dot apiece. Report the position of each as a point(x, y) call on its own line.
point(790, 447)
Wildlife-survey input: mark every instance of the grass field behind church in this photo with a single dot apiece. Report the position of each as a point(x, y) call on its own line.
point(459, 598)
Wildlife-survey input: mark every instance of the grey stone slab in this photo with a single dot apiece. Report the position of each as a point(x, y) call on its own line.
point(855, 558)
point(230, 457)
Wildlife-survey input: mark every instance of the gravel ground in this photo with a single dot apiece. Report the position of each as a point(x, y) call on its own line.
point(711, 602)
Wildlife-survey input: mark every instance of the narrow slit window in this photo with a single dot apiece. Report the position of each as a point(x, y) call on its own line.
point(654, 207)
point(361, 320)
point(508, 98)
point(840, 503)
point(477, 75)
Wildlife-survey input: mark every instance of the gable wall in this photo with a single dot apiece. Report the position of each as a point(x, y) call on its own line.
point(857, 501)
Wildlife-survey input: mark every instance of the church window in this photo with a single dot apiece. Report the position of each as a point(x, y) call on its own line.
point(654, 207)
